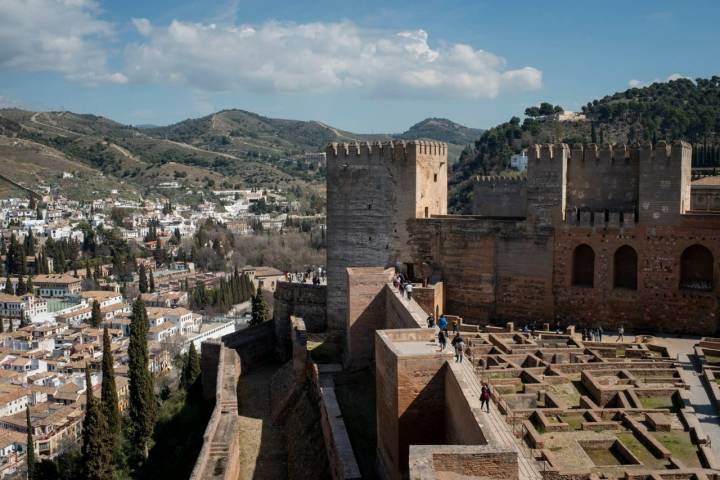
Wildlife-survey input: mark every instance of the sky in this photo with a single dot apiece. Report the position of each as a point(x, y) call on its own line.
point(363, 66)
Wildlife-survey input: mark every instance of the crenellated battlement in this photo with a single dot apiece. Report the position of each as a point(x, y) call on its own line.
point(500, 180)
point(389, 149)
point(611, 153)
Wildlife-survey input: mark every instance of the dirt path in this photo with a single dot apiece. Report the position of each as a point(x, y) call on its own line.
point(262, 446)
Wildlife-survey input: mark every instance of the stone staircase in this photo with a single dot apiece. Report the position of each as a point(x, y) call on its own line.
point(530, 468)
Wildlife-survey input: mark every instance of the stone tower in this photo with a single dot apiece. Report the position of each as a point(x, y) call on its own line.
point(372, 191)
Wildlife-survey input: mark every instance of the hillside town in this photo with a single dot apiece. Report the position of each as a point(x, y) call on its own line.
point(75, 273)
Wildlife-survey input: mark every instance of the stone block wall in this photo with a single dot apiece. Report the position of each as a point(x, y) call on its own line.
point(302, 300)
point(255, 345)
point(431, 462)
point(500, 197)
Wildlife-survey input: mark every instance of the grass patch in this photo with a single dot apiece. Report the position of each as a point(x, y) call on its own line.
point(657, 402)
point(681, 446)
point(712, 359)
point(326, 351)
point(574, 421)
point(355, 392)
point(640, 451)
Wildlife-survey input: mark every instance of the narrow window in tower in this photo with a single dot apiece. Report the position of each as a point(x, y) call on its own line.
point(427, 213)
point(435, 177)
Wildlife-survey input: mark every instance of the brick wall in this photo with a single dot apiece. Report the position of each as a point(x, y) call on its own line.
point(658, 304)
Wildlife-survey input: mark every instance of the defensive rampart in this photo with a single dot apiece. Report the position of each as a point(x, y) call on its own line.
point(219, 457)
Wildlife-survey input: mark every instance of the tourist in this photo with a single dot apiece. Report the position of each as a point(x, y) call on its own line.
point(409, 289)
point(456, 327)
point(442, 323)
point(600, 332)
point(456, 341)
point(442, 340)
point(485, 397)
point(621, 334)
point(431, 321)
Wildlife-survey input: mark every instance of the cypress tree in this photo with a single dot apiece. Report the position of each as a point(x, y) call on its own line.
point(152, 282)
point(191, 368)
point(21, 288)
point(97, 458)
point(260, 310)
point(142, 280)
point(142, 408)
point(108, 395)
point(9, 286)
point(29, 286)
point(30, 457)
point(96, 315)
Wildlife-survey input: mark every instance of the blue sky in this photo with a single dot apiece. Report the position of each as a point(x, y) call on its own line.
point(361, 66)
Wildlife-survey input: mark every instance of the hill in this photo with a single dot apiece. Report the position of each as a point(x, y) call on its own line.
point(230, 148)
point(443, 130)
point(679, 109)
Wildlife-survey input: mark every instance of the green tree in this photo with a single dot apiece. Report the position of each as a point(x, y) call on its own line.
point(260, 309)
point(152, 282)
point(9, 286)
point(96, 315)
point(142, 407)
point(21, 288)
point(191, 368)
point(30, 288)
point(97, 457)
point(108, 395)
point(30, 457)
point(142, 280)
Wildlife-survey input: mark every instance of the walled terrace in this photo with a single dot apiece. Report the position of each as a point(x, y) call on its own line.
point(573, 409)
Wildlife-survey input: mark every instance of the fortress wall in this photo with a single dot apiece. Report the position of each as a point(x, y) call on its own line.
point(302, 300)
point(490, 268)
point(255, 345)
point(664, 189)
point(372, 191)
point(500, 197)
point(219, 457)
point(524, 279)
point(546, 184)
point(658, 304)
point(366, 312)
point(601, 177)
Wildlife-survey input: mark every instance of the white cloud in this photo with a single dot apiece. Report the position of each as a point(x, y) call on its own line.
point(69, 37)
point(317, 57)
point(673, 76)
point(63, 36)
point(143, 26)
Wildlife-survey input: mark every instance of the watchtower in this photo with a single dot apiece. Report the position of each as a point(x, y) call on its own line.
point(372, 191)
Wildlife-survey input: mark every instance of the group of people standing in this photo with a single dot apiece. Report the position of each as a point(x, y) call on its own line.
point(405, 286)
point(312, 275)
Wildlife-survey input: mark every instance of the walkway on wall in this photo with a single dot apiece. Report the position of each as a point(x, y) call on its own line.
point(262, 445)
point(528, 466)
point(700, 401)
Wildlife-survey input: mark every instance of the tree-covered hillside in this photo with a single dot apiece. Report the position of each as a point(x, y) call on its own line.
point(679, 109)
